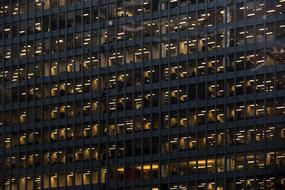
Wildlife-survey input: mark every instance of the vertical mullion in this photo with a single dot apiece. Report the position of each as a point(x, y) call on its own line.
point(254, 93)
point(133, 92)
point(235, 93)
point(49, 107)
point(107, 92)
point(100, 87)
point(114, 30)
point(18, 130)
point(275, 100)
point(76, 102)
point(197, 94)
point(33, 112)
point(73, 98)
point(123, 4)
point(160, 97)
point(177, 35)
point(58, 119)
point(140, 4)
point(65, 98)
point(216, 124)
point(206, 120)
point(245, 93)
point(226, 60)
point(168, 85)
point(90, 92)
point(2, 102)
point(151, 99)
point(19, 109)
point(264, 94)
point(188, 97)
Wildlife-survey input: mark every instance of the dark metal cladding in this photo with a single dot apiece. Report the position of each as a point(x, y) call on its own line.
point(142, 94)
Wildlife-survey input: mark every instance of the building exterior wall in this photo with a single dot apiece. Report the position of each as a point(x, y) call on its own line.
point(142, 94)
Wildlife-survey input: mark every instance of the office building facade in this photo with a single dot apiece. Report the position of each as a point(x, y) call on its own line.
point(142, 94)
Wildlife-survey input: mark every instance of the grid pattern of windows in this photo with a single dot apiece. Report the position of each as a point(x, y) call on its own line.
point(142, 94)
